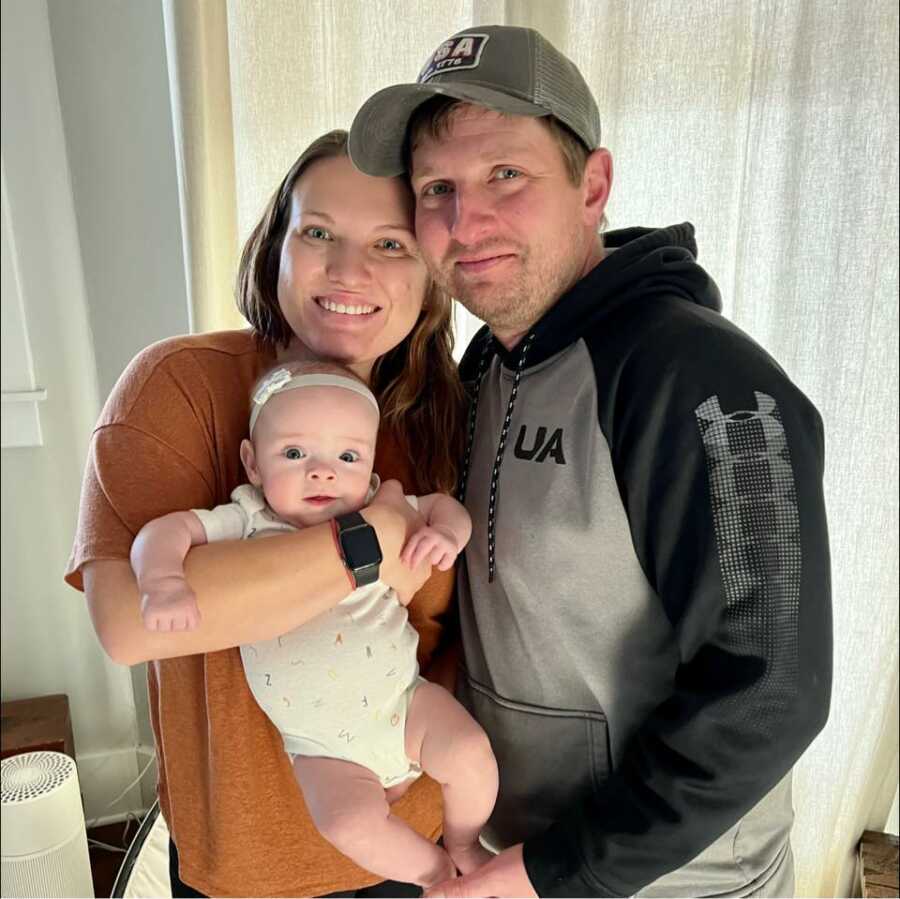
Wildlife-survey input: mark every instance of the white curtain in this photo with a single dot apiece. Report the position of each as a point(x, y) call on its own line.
point(200, 88)
point(772, 126)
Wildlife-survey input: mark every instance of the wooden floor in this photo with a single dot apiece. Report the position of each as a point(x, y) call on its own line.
point(105, 863)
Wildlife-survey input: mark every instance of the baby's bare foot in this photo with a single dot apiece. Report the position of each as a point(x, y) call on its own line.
point(468, 858)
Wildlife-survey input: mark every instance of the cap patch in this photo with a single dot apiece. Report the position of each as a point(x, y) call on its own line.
point(462, 52)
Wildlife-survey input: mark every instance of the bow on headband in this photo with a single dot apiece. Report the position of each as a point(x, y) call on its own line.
point(281, 379)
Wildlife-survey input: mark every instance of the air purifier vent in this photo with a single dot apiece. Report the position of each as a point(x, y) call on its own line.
point(43, 843)
point(34, 774)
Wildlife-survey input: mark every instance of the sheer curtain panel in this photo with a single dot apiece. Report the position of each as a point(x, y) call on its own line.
point(772, 126)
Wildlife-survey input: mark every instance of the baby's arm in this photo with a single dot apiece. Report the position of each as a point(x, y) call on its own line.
point(157, 557)
point(446, 532)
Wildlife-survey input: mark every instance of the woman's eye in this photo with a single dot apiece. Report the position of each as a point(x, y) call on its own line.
point(317, 233)
point(388, 243)
point(507, 173)
point(349, 456)
point(438, 189)
point(293, 453)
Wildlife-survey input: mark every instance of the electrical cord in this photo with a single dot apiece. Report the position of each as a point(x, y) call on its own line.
point(97, 844)
point(89, 824)
point(130, 818)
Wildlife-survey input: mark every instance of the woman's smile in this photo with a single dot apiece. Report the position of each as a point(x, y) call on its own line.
point(346, 305)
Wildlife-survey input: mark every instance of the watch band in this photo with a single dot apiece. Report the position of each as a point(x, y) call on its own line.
point(340, 552)
point(366, 574)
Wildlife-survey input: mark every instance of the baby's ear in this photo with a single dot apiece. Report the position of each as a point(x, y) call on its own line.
point(248, 457)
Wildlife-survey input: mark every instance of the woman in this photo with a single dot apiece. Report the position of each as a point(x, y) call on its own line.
point(331, 271)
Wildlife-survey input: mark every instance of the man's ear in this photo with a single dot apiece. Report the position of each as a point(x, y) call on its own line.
point(248, 457)
point(596, 183)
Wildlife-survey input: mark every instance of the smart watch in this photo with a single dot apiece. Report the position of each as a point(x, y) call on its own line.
point(359, 548)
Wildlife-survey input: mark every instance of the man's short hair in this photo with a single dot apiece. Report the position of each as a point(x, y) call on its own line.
point(435, 115)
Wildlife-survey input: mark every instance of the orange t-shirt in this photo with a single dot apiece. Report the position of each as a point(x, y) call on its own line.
point(168, 439)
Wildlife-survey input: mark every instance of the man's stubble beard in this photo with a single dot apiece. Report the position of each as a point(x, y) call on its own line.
point(516, 304)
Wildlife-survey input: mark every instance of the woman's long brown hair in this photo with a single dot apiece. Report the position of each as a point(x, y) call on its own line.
point(417, 384)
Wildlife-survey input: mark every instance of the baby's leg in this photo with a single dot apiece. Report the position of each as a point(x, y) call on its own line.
point(348, 805)
point(451, 747)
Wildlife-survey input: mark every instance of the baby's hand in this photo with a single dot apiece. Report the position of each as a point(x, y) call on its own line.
point(434, 544)
point(169, 604)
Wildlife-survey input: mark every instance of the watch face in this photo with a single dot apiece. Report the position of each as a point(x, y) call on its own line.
point(360, 547)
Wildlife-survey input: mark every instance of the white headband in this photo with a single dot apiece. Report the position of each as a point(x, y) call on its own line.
point(281, 379)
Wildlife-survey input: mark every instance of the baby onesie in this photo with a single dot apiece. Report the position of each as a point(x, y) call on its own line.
point(340, 685)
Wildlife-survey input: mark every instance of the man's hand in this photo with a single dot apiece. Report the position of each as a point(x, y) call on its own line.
point(504, 875)
point(405, 581)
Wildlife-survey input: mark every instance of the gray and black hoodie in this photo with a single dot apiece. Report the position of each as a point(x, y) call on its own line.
point(645, 601)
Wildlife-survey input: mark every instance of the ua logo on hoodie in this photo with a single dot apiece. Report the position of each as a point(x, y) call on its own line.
point(542, 446)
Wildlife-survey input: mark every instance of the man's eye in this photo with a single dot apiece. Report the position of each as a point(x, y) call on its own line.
point(317, 233)
point(438, 189)
point(388, 243)
point(349, 456)
point(294, 453)
point(507, 173)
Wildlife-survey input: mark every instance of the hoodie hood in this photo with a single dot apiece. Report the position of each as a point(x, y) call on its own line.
point(639, 262)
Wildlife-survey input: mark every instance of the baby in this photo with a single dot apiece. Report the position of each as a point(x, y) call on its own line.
point(358, 722)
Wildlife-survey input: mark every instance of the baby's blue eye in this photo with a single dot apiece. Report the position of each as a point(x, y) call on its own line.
point(349, 456)
point(293, 453)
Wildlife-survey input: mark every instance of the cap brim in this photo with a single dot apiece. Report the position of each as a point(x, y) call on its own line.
point(379, 128)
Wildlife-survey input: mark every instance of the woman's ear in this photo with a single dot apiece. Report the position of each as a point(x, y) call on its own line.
point(597, 181)
point(248, 457)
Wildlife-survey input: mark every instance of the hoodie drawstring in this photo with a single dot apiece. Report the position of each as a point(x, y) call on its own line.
point(486, 356)
point(483, 363)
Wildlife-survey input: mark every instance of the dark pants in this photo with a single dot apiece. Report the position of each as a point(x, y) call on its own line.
point(385, 888)
point(179, 887)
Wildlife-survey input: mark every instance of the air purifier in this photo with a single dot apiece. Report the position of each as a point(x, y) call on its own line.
point(44, 843)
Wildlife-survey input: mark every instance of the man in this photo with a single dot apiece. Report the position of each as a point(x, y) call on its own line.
point(645, 601)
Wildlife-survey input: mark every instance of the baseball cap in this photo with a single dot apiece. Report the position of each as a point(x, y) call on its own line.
point(506, 68)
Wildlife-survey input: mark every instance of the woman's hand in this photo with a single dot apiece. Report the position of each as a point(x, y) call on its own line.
point(395, 521)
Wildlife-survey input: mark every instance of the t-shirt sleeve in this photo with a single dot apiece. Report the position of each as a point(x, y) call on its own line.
point(131, 477)
point(150, 454)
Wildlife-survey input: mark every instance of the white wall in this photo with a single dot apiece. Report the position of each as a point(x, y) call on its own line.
point(112, 74)
point(88, 162)
point(113, 82)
